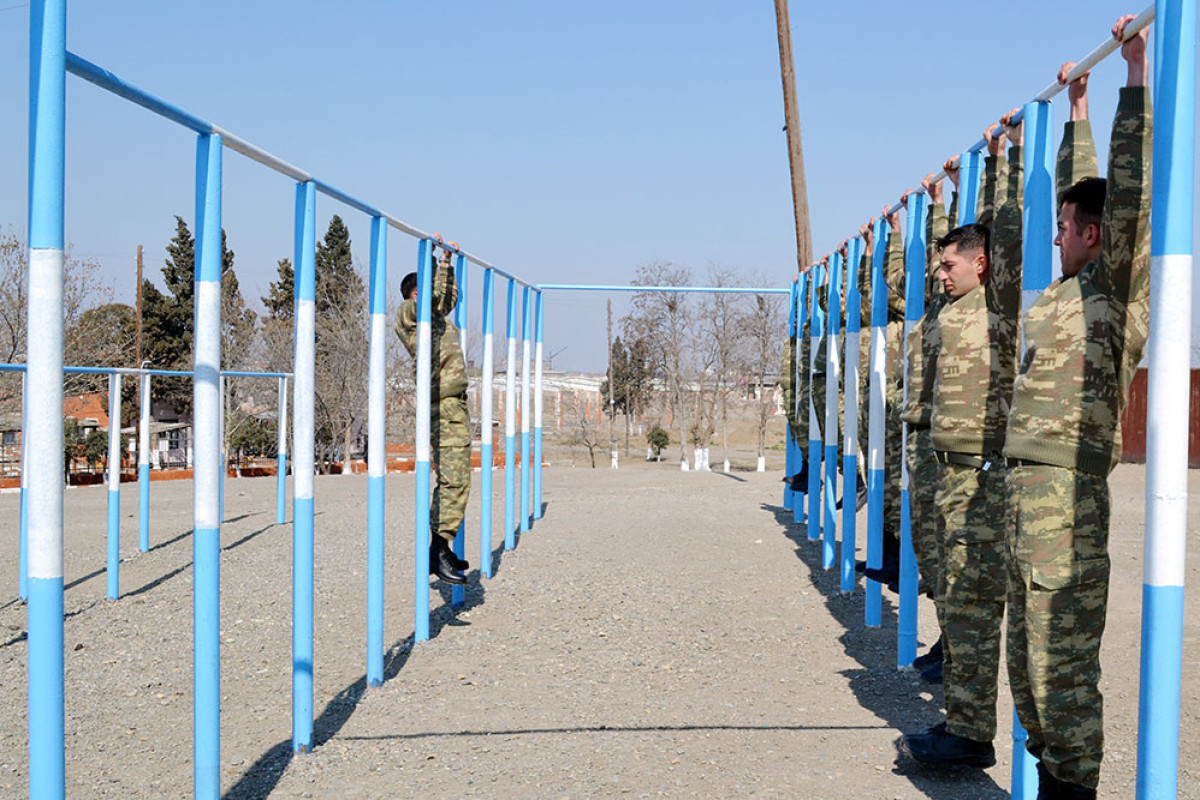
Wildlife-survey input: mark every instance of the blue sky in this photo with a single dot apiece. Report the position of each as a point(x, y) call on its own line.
point(566, 142)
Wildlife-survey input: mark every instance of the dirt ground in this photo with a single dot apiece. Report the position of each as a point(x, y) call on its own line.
point(657, 634)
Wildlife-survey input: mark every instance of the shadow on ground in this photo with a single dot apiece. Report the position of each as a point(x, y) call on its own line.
point(894, 696)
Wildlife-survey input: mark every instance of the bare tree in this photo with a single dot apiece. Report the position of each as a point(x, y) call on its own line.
point(721, 318)
point(764, 327)
point(580, 430)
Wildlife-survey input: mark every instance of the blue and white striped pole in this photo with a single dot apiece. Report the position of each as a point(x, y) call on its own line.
point(485, 427)
point(833, 374)
point(970, 172)
point(143, 451)
point(850, 423)
point(816, 331)
point(376, 449)
point(537, 406)
point(114, 487)
point(1038, 226)
point(281, 455)
point(43, 434)
point(224, 450)
point(914, 309)
point(526, 328)
point(303, 440)
point(1167, 410)
point(790, 450)
point(797, 409)
point(424, 384)
point(23, 544)
point(206, 423)
point(877, 422)
point(510, 420)
point(458, 593)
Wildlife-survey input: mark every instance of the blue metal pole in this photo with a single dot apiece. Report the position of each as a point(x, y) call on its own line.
point(112, 571)
point(458, 593)
point(485, 427)
point(1166, 453)
point(1038, 223)
point(424, 384)
point(303, 440)
point(526, 327)
point(376, 449)
point(873, 607)
point(816, 331)
point(914, 309)
point(281, 455)
point(833, 373)
point(970, 172)
point(801, 300)
point(206, 422)
point(789, 455)
point(510, 420)
point(143, 451)
point(224, 452)
point(850, 422)
point(23, 544)
point(44, 431)
point(537, 406)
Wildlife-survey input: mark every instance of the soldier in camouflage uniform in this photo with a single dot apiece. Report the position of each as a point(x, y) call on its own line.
point(1084, 338)
point(450, 421)
point(794, 384)
point(972, 388)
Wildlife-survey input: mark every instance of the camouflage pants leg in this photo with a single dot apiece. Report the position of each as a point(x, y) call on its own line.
point(1058, 599)
point(893, 451)
point(450, 440)
point(923, 475)
point(973, 587)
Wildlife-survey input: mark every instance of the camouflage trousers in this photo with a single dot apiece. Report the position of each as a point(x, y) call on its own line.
point(450, 441)
point(923, 476)
point(971, 594)
point(1058, 569)
point(893, 451)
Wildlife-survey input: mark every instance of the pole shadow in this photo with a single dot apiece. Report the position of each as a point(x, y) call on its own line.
point(893, 695)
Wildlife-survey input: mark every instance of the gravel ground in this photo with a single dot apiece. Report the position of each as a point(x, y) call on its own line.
point(657, 634)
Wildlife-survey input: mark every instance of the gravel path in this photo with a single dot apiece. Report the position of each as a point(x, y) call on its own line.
point(657, 634)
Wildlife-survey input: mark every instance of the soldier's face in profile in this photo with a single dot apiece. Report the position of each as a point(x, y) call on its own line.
point(960, 272)
point(1075, 241)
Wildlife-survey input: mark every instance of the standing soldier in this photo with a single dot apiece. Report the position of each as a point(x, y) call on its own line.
point(1084, 338)
point(793, 382)
point(972, 389)
point(450, 420)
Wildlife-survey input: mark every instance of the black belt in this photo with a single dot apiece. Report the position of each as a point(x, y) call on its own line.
point(1024, 462)
point(964, 460)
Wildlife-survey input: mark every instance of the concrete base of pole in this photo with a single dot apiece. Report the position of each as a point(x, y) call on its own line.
point(762, 464)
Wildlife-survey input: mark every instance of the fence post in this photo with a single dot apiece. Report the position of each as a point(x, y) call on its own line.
point(485, 427)
point(1167, 411)
point(877, 422)
point(206, 422)
point(850, 419)
point(510, 420)
point(376, 450)
point(304, 462)
point(43, 435)
point(458, 593)
point(526, 326)
point(424, 382)
point(537, 406)
point(833, 374)
point(114, 486)
point(144, 462)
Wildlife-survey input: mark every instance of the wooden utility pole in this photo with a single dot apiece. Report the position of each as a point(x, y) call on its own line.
point(138, 348)
point(804, 250)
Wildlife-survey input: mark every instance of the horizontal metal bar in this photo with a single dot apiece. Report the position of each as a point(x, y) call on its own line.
point(1107, 48)
point(106, 80)
point(174, 373)
point(239, 374)
point(692, 289)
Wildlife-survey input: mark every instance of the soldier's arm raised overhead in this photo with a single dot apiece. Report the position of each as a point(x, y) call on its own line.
point(1077, 152)
point(994, 190)
point(867, 232)
point(1124, 272)
point(893, 262)
point(936, 226)
point(445, 286)
point(1004, 283)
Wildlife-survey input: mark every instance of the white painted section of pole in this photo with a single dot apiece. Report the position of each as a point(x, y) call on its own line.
point(44, 355)
point(304, 386)
point(143, 447)
point(876, 423)
point(424, 382)
point(762, 464)
point(114, 433)
point(377, 399)
point(206, 423)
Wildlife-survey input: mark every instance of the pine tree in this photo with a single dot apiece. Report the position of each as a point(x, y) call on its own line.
point(339, 287)
point(280, 301)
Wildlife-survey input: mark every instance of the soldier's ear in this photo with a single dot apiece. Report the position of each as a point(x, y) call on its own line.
point(1091, 234)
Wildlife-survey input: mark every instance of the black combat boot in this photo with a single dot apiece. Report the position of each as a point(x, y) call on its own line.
point(442, 562)
point(799, 481)
point(889, 573)
point(1051, 788)
point(939, 748)
point(931, 657)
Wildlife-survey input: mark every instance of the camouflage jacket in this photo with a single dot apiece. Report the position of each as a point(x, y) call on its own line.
point(924, 339)
point(448, 369)
point(976, 363)
point(1085, 335)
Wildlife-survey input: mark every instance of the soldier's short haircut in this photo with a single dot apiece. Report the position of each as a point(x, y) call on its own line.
point(1087, 196)
point(407, 285)
point(971, 237)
